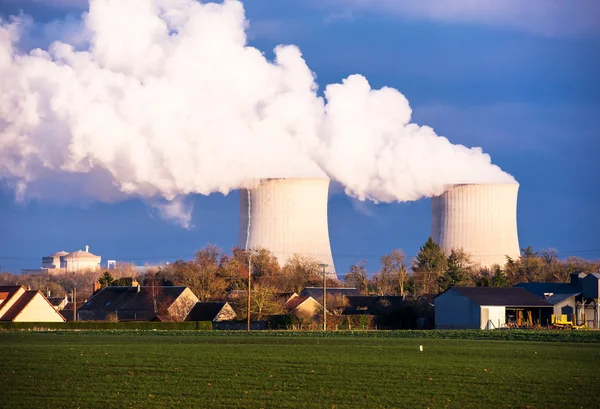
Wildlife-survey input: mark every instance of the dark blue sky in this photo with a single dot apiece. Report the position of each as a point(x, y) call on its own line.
point(529, 99)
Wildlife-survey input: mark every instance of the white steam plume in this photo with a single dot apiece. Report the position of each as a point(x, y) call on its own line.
point(166, 99)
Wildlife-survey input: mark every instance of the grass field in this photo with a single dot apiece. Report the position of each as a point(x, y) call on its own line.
point(141, 369)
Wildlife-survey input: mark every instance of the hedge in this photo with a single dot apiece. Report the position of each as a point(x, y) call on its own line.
point(133, 325)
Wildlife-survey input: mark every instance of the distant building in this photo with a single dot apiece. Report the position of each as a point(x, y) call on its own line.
point(488, 308)
point(20, 305)
point(62, 261)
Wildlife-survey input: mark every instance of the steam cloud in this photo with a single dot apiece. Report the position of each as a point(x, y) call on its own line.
point(163, 98)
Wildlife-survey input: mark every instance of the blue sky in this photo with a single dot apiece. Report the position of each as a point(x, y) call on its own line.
point(524, 89)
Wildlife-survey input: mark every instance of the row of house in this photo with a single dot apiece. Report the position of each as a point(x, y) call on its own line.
point(457, 307)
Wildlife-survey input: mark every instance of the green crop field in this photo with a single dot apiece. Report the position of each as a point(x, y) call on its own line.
point(95, 369)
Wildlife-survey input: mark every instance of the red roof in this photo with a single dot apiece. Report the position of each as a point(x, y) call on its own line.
point(18, 306)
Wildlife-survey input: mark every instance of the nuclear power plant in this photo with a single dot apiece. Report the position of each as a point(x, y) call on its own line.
point(479, 218)
point(287, 217)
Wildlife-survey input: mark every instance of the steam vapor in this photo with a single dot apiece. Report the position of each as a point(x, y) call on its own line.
point(164, 98)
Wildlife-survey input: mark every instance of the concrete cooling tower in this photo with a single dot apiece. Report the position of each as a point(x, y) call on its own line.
point(287, 217)
point(480, 218)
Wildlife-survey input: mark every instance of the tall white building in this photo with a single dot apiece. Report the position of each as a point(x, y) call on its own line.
point(287, 217)
point(479, 218)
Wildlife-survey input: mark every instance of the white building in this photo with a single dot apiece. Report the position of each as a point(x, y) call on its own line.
point(488, 307)
point(80, 261)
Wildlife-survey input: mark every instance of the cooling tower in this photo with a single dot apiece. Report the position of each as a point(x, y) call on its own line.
point(480, 218)
point(287, 217)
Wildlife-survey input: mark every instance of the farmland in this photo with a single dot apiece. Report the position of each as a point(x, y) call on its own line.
point(209, 369)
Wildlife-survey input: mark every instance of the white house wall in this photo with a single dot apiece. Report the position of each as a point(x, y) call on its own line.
point(39, 310)
point(453, 310)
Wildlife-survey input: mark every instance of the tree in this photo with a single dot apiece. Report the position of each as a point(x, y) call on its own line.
point(299, 272)
point(105, 279)
point(458, 272)
point(357, 277)
point(263, 302)
point(394, 272)
point(428, 266)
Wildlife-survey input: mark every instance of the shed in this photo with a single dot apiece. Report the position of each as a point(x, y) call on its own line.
point(488, 308)
point(302, 305)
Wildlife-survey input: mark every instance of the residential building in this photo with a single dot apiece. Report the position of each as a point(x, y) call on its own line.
point(20, 305)
point(138, 303)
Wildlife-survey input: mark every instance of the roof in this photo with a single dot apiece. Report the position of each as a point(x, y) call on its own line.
point(139, 304)
point(556, 298)
point(81, 254)
point(374, 303)
point(205, 311)
point(7, 292)
point(317, 292)
point(540, 289)
point(59, 254)
point(56, 301)
point(500, 296)
point(295, 302)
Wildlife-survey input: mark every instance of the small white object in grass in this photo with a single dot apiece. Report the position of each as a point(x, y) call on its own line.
point(421, 348)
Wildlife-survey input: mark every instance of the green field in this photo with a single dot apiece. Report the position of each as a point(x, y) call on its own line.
point(204, 369)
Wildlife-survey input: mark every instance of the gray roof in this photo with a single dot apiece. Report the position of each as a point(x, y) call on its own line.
point(500, 296)
point(540, 289)
point(317, 292)
point(129, 304)
point(556, 298)
point(205, 311)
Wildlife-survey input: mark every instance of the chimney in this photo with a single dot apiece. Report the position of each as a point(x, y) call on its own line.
point(49, 293)
point(575, 277)
point(87, 248)
point(138, 286)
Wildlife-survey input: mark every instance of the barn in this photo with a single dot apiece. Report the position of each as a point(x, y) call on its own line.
point(489, 308)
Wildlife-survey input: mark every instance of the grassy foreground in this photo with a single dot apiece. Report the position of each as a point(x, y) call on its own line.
point(92, 369)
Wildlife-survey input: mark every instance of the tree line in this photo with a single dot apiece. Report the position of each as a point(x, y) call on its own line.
point(214, 275)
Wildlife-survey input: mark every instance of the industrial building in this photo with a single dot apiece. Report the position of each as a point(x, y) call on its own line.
point(479, 218)
point(287, 217)
point(65, 262)
point(578, 299)
point(489, 308)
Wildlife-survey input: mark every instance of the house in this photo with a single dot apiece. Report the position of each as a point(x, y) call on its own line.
point(489, 307)
point(317, 292)
point(20, 305)
point(138, 303)
point(578, 299)
point(59, 303)
point(302, 305)
point(211, 311)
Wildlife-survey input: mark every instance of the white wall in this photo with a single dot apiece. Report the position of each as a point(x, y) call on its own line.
point(495, 314)
point(39, 310)
point(481, 219)
point(453, 310)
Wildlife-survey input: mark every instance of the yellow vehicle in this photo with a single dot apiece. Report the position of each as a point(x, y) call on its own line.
point(564, 322)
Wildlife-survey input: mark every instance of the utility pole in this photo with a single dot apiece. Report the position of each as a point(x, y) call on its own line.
point(249, 283)
point(74, 303)
point(324, 298)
